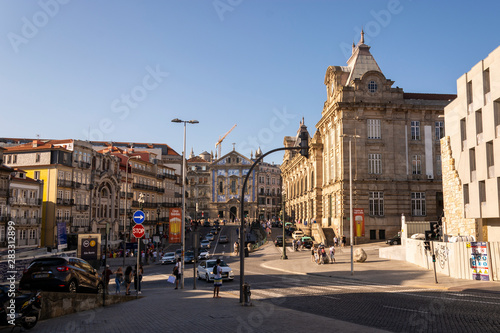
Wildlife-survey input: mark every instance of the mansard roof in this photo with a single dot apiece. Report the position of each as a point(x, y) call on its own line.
point(361, 61)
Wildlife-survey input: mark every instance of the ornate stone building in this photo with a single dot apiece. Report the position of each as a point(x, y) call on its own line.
point(471, 154)
point(396, 157)
point(268, 189)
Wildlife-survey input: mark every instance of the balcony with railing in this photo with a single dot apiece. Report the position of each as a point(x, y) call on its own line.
point(82, 208)
point(139, 186)
point(25, 201)
point(23, 221)
point(5, 218)
point(65, 202)
point(130, 195)
point(60, 219)
point(160, 190)
point(4, 192)
point(64, 183)
point(143, 172)
point(83, 165)
point(78, 185)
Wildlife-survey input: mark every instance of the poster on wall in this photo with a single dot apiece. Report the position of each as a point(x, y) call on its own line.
point(479, 261)
point(175, 225)
point(359, 221)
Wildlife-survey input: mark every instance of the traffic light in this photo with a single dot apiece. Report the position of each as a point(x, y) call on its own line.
point(427, 245)
point(304, 143)
point(435, 230)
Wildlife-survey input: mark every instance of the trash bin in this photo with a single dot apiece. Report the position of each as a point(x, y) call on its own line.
point(246, 252)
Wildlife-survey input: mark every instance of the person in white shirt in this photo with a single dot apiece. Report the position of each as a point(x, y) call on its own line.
point(177, 272)
point(217, 279)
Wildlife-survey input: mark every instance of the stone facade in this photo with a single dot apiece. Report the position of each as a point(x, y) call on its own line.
point(454, 222)
point(393, 138)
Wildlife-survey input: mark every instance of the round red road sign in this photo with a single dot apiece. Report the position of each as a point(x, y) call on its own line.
point(138, 231)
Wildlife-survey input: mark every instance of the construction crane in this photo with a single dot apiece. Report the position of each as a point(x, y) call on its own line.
point(218, 144)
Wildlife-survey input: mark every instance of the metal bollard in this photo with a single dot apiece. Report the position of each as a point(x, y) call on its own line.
point(246, 294)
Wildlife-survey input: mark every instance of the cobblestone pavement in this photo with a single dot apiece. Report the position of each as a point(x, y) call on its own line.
point(293, 295)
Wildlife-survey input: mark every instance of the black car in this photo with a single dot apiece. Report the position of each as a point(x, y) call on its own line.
point(396, 240)
point(61, 274)
point(189, 256)
point(278, 241)
point(206, 224)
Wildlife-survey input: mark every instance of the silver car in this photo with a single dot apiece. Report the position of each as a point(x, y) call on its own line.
point(168, 258)
point(206, 267)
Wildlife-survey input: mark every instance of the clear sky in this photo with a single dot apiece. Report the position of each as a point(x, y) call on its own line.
point(121, 70)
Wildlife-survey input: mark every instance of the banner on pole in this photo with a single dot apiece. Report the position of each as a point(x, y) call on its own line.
point(359, 222)
point(175, 225)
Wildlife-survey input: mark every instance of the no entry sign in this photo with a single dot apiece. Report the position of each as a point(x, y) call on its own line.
point(138, 231)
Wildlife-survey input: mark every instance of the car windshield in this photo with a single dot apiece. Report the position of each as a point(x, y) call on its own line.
point(47, 262)
point(212, 264)
point(169, 254)
point(190, 253)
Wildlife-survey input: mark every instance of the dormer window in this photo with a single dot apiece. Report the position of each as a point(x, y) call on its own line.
point(372, 86)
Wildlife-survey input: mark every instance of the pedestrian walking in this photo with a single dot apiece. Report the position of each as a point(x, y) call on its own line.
point(313, 259)
point(332, 254)
point(335, 241)
point(217, 278)
point(343, 241)
point(293, 244)
point(177, 272)
point(128, 279)
point(118, 279)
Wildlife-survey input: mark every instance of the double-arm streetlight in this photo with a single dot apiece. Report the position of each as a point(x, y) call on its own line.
point(350, 200)
point(183, 223)
point(126, 206)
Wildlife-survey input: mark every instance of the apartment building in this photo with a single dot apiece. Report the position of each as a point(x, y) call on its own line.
point(269, 190)
point(25, 208)
point(80, 186)
point(471, 154)
point(198, 186)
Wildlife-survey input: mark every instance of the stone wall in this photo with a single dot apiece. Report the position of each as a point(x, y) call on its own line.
point(56, 304)
point(454, 220)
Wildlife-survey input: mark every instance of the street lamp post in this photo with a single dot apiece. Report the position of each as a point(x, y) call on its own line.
point(126, 207)
point(351, 233)
point(183, 223)
point(284, 256)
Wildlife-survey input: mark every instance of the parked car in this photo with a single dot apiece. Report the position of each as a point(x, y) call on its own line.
point(297, 234)
point(307, 242)
point(396, 240)
point(189, 256)
point(205, 270)
point(278, 241)
point(418, 236)
point(61, 274)
point(205, 244)
point(223, 239)
point(209, 237)
point(204, 254)
point(168, 258)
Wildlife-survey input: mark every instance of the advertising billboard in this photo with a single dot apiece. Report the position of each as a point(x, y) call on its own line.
point(359, 222)
point(175, 225)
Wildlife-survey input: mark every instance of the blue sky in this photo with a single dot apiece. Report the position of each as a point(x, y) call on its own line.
point(121, 70)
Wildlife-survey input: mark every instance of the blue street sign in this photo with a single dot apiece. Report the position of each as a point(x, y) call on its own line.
point(139, 216)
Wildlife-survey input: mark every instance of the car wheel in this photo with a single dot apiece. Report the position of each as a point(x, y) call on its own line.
point(206, 278)
point(73, 286)
point(31, 324)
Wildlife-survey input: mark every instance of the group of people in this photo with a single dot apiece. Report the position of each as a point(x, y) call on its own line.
point(320, 256)
point(297, 245)
point(339, 241)
point(125, 279)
